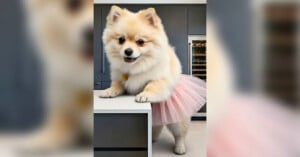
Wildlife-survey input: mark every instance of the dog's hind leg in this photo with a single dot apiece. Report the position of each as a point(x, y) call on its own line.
point(179, 131)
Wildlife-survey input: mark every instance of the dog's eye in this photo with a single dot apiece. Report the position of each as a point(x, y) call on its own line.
point(74, 5)
point(122, 40)
point(140, 42)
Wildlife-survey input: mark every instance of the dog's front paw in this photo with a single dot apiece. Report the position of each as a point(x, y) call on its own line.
point(144, 97)
point(109, 93)
point(180, 149)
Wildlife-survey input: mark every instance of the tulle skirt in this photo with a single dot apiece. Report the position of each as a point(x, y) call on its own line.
point(187, 97)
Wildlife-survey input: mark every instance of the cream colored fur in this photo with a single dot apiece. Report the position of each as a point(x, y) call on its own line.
point(156, 70)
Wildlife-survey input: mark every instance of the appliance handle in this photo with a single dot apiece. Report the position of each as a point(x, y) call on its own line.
point(189, 59)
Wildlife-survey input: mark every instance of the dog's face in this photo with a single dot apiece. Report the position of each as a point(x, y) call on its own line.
point(132, 38)
point(64, 27)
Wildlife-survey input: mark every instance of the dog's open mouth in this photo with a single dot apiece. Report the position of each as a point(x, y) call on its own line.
point(130, 59)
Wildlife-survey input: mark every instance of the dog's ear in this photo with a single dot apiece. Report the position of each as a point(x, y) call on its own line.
point(151, 16)
point(114, 14)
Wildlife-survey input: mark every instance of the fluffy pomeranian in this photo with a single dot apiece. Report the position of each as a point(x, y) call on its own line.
point(141, 59)
point(62, 31)
point(142, 63)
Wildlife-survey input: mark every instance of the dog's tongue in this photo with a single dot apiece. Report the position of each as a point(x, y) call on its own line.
point(129, 60)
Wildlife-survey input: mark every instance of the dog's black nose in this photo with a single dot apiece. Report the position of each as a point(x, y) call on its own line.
point(89, 35)
point(128, 51)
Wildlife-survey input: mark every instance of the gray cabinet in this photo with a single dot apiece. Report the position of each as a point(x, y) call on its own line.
point(97, 46)
point(120, 154)
point(197, 20)
point(175, 22)
point(120, 130)
point(101, 65)
point(179, 21)
point(120, 135)
point(122, 127)
point(105, 76)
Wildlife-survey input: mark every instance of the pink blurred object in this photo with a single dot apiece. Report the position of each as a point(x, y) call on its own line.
point(254, 127)
point(187, 97)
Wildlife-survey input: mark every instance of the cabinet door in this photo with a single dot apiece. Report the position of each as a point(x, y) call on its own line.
point(101, 65)
point(174, 19)
point(97, 45)
point(120, 154)
point(197, 20)
point(105, 68)
point(120, 130)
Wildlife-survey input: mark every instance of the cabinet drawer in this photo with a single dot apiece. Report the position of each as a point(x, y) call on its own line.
point(120, 130)
point(120, 154)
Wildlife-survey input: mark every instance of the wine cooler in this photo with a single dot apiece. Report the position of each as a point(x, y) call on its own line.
point(197, 64)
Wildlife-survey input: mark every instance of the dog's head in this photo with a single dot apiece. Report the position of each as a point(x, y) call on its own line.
point(63, 27)
point(134, 38)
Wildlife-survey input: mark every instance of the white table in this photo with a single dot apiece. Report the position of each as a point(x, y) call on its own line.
point(123, 121)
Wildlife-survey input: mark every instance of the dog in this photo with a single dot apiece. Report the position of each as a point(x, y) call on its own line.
point(62, 31)
point(142, 63)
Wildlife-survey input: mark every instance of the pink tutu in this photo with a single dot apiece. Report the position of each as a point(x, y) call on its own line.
point(187, 97)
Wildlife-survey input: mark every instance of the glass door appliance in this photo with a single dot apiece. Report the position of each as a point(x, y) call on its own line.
point(197, 64)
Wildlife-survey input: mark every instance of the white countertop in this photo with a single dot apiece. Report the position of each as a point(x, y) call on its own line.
point(120, 104)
